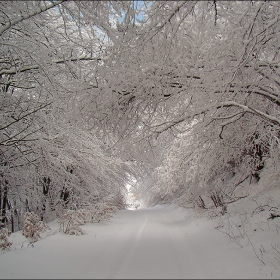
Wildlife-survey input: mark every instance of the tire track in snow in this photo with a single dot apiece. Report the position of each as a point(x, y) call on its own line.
point(187, 260)
point(134, 235)
point(154, 252)
point(177, 257)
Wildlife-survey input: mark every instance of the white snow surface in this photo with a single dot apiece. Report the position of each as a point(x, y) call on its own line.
point(165, 241)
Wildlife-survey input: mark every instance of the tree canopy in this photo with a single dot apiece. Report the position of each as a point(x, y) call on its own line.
point(181, 96)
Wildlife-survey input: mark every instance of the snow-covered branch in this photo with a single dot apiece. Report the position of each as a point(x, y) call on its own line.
point(23, 17)
point(15, 70)
point(25, 115)
point(249, 109)
point(189, 117)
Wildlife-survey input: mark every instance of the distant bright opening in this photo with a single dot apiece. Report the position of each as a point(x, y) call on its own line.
point(131, 198)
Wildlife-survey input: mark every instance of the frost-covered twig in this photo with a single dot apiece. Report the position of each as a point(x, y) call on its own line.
point(27, 16)
point(255, 250)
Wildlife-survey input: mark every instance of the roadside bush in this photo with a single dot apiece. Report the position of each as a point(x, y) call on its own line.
point(33, 227)
point(71, 220)
point(4, 242)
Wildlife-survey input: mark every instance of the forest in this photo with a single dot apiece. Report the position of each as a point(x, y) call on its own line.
point(178, 99)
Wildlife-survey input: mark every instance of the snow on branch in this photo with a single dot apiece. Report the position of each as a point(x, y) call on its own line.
point(166, 125)
point(265, 116)
point(27, 16)
point(24, 116)
point(14, 70)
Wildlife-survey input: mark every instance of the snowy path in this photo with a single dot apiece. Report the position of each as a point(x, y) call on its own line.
point(159, 242)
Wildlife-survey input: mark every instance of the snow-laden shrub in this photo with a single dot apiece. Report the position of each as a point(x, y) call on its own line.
point(118, 200)
point(71, 220)
point(4, 242)
point(100, 211)
point(104, 210)
point(33, 227)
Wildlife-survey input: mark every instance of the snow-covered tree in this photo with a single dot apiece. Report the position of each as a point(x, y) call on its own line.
point(96, 92)
point(232, 102)
point(51, 158)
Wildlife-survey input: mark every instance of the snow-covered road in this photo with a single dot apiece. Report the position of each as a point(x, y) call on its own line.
point(158, 242)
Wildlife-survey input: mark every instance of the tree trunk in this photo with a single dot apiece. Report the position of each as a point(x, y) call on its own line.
point(4, 203)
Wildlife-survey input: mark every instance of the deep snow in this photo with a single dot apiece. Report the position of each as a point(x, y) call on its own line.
point(165, 241)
